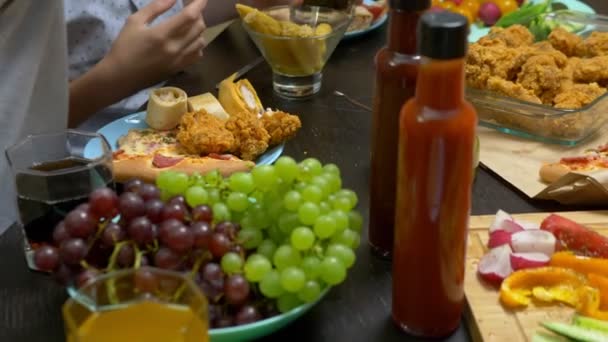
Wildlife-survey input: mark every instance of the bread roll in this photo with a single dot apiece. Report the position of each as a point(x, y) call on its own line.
point(141, 167)
point(551, 172)
point(166, 107)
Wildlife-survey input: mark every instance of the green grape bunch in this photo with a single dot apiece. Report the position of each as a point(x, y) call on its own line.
point(298, 225)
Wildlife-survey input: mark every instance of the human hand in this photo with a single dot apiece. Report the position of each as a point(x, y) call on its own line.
point(150, 54)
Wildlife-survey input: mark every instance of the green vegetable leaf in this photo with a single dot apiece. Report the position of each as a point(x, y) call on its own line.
point(539, 29)
point(559, 6)
point(524, 15)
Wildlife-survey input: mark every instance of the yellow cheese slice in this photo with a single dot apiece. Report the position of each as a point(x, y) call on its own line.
point(209, 103)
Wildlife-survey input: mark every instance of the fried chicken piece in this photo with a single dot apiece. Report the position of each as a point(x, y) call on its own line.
point(589, 70)
point(512, 36)
point(251, 139)
point(594, 45)
point(511, 89)
point(202, 133)
point(579, 95)
point(542, 46)
point(281, 126)
point(567, 77)
point(540, 49)
point(482, 62)
point(541, 75)
point(565, 41)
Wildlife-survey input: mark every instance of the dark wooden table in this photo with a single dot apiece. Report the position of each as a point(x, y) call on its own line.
point(333, 131)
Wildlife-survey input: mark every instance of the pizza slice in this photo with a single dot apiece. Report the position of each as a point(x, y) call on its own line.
point(224, 135)
point(144, 153)
point(592, 160)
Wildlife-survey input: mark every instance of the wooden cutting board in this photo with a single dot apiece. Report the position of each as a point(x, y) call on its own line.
point(486, 318)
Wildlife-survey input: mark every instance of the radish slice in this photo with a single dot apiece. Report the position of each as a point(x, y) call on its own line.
point(528, 225)
point(512, 226)
point(496, 264)
point(529, 260)
point(527, 241)
point(498, 238)
point(501, 216)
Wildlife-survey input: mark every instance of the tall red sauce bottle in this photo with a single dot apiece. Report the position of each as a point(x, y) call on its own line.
point(434, 179)
point(396, 72)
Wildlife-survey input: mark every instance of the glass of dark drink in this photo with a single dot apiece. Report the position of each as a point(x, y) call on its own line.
point(53, 174)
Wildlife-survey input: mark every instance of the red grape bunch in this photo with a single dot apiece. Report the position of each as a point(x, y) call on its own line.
point(256, 243)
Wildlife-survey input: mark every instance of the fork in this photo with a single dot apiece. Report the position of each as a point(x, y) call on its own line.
point(353, 101)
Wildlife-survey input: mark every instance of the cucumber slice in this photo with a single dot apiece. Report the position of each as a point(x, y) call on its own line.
point(545, 337)
point(590, 323)
point(576, 332)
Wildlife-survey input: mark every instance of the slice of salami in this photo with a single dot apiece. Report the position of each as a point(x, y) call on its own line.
point(161, 161)
point(579, 159)
point(220, 156)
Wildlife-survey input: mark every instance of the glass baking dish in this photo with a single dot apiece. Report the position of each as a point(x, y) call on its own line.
point(543, 122)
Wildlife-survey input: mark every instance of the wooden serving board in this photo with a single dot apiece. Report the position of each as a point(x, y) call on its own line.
point(486, 318)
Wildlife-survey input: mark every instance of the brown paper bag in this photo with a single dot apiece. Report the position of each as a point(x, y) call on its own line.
point(518, 160)
point(576, 188)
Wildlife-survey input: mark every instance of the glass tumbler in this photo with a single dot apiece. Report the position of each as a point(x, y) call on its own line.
point(299, 50)
point(144, 304)
point(52, 174)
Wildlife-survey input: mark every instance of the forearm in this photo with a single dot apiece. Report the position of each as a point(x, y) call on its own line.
point(100, 87)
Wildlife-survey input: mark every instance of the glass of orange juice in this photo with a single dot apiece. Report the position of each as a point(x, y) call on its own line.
point(145, 304)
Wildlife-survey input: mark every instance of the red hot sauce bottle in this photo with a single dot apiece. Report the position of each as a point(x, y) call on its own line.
point(434, 180)
point(396, 72)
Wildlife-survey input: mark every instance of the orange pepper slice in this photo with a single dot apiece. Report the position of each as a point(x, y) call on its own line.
point(585, 265)
point(600, 283)
point(544, 283)
point(590, 303)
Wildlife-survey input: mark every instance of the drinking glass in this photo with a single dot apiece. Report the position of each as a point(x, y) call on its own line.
point(296, 41)
point(52, 174)
point(346, 5)
point(144, 304)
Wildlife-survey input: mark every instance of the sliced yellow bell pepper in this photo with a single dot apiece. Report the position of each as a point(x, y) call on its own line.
point(547, 284)
point(585, 265)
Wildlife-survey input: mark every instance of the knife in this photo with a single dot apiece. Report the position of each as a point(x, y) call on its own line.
point(245, 69)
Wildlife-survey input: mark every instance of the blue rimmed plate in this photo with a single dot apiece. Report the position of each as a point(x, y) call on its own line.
point(264, 327)
point(376, 24)
point(117, 128)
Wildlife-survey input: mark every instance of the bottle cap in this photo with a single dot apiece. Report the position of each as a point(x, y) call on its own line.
point(443, 35)
point(410, 5)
